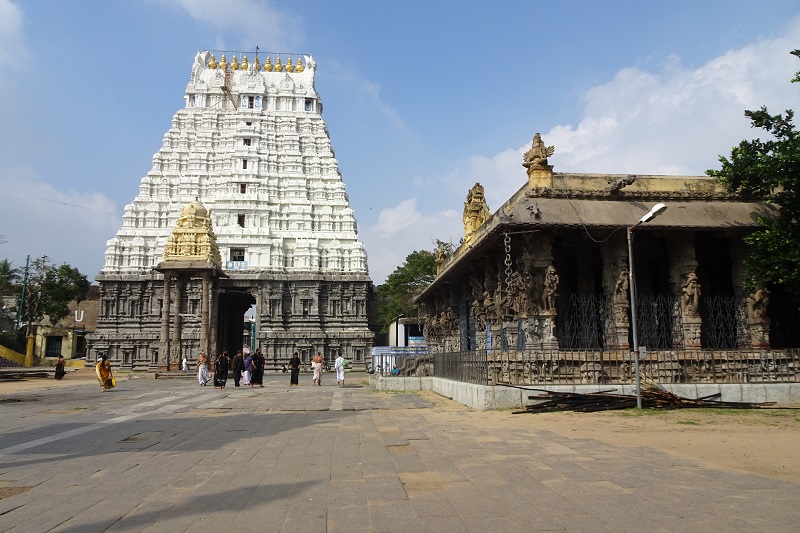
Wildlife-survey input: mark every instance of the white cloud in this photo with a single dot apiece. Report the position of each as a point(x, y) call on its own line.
point(402, 229)
point(66, 225)
point(13, 50)
point(676, 121)
point(680, 120)
point(253, 22)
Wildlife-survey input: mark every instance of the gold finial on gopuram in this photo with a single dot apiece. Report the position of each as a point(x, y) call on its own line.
point(300, 66)
point(212, 64)
point(278, 65)
point(235, 63)
point(223, 63)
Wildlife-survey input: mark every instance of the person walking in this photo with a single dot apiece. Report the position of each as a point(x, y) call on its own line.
point(316, 367)
point(257, 377)
point(184, 364)
point(248, 368)
point(237, 365)
point(221, 367)
point(104, 374)
point(294, 370)
point(202, 369)
point(60, 372)
point(339, 365)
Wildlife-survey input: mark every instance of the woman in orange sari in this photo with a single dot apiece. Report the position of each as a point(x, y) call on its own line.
point(104, 374)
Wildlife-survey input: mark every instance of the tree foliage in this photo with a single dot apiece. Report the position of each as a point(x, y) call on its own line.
point(769, 170)
point(48, 289)
point(403, 285)
point(9, 277)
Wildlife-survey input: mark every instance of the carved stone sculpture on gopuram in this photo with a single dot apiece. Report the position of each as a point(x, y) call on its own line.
point(274, 236)
point(476, 211)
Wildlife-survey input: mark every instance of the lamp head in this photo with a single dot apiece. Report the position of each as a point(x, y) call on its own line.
point(654, 212)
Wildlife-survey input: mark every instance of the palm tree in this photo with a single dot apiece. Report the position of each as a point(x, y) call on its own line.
point(9, 277)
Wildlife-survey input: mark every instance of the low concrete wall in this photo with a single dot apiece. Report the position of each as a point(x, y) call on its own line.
point(486, 397)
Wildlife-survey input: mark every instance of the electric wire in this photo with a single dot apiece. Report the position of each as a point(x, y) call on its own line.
point(569, 200)
point(29, 195)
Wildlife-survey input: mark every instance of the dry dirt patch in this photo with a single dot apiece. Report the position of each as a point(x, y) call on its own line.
point(762, 441)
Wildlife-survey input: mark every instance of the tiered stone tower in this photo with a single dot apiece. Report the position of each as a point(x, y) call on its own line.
point(252, 147)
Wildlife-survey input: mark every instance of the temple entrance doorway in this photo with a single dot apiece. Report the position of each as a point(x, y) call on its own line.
point(230, 320)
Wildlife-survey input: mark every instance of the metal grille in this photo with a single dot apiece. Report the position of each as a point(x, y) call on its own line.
point(468, 367)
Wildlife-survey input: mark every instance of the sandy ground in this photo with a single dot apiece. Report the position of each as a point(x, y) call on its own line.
point(762, 441)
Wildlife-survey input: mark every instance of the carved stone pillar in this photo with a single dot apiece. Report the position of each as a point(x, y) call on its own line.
point(537, 260)
point(175, 345)
point(616, 287)
point(163, 347)
point(212, 319)
point(204, 314)
point(684, 283)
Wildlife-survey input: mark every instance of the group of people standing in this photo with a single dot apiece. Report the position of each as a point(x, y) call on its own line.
point(249, 369)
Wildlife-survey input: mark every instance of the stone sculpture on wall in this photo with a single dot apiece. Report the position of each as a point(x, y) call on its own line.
point(757, 303)
point(550, 292)
point(476, 212)
point(620, 301)
point(690, 295)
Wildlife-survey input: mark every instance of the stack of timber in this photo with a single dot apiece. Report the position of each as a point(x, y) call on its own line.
point(608, 401)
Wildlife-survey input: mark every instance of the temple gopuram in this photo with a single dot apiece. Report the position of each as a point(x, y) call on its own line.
point(539, 292)
point(244, 209)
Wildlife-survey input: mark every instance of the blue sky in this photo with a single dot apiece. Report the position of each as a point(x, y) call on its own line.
point(422, 99)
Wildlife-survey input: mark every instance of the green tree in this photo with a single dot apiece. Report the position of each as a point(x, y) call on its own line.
point(403, 285)
point(769, 171)
point(50, 289)
point(9, 278)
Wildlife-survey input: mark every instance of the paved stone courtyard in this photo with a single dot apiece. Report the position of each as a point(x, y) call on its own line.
point(168, 455)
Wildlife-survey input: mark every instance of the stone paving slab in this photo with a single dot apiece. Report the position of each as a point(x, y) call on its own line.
point(168, 455)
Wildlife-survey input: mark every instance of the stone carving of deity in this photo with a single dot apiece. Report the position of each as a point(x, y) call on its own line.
point(476, 211)
point(620, 301)
point(538, 153)
point(690, 297)
point(550, 290)
point(757, 303)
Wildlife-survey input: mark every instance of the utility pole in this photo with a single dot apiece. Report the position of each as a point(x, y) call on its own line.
point(21, 301)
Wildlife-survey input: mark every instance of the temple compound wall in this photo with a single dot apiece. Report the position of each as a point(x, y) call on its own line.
point(542, 288)
point(251, 147)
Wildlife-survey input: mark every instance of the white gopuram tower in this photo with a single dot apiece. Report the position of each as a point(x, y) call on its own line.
point(252, 148)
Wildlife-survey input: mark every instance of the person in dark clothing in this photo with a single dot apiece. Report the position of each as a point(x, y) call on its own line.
point(222, 364)
point(294, 368)
point(257, 373)
point(60, 372)
point(237, 365)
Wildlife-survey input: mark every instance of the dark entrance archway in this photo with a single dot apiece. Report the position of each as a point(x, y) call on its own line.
point(230, 319)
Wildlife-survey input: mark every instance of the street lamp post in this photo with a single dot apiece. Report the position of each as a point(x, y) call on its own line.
point(654, 212)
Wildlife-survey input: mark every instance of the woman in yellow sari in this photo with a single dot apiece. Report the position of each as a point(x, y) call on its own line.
point(104, 375)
